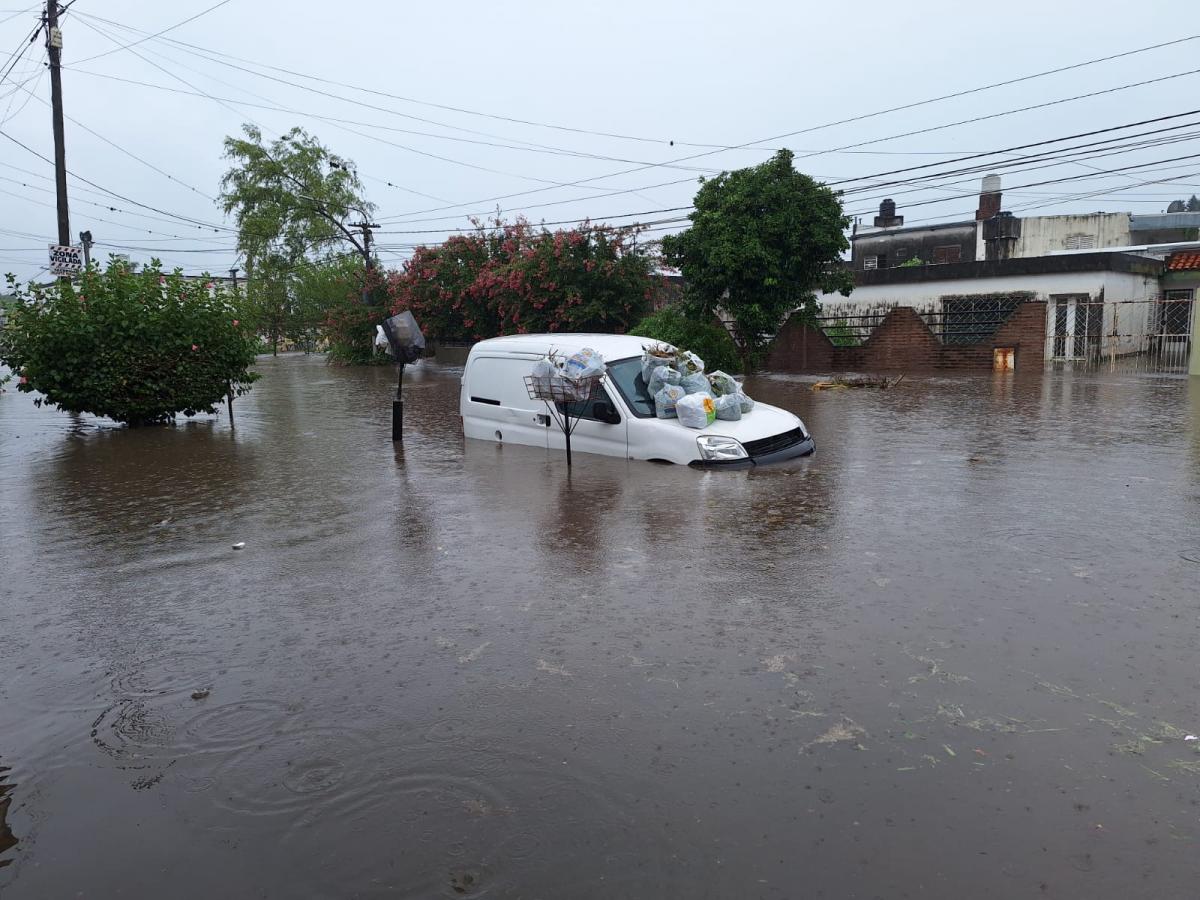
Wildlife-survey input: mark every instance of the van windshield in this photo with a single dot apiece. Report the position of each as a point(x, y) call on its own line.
point(626, 374)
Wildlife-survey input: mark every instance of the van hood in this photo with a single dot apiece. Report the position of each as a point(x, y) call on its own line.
point(761, 422)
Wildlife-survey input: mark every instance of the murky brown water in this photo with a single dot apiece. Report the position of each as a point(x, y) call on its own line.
point(955, 654)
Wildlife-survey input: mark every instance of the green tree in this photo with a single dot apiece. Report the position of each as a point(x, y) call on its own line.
point(762, 241)
point(1193, 204)
point(292, 201)
point(708, 340)
point(135, 347)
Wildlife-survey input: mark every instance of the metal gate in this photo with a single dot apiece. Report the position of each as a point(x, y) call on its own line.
point(1153, 335)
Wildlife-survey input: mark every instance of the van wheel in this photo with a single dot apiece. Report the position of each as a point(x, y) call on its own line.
point(499, 437)
point(661, 462)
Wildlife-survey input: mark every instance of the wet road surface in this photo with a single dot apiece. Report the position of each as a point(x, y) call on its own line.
point(955, 654)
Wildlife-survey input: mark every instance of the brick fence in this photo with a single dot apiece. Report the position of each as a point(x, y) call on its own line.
point(902, 341)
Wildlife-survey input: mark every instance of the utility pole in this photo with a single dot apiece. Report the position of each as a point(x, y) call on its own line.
point(54, 48)
point(233, 275)
point(366, 252)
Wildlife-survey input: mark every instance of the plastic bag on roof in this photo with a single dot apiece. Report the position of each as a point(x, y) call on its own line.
point(722, 383)
point(660, 377)
point(746, 402)
point(666, 399)
point(729, 407)
point(696, 384)
point(696, 410)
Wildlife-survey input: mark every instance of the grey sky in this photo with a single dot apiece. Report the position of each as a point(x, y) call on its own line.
point(696, 73)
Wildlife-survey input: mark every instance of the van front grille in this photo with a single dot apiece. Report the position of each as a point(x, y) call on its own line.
point(776, 442)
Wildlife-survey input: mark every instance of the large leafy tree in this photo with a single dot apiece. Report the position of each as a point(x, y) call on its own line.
point(293, 201)
point(137, 347)
point(762, 241)
point(514, 277)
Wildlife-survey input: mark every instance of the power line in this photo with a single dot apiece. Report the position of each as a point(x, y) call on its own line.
point(447, 159)
point(186, 219)
point(1049, 181)
point(120, 149)
point(157, 33)
point(208, 53)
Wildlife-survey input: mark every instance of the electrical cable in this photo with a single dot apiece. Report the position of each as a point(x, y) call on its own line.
point(157, 33)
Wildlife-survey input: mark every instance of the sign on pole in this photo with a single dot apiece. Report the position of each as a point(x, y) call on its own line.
point(65, 260)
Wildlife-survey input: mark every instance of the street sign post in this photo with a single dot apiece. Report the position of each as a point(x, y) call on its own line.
point(65, 260)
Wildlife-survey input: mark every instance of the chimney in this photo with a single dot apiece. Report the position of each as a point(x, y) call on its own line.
point(887, 217)
point(989, 198)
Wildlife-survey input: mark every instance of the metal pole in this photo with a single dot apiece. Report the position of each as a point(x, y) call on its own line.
point(398, 410)
point(85, 238)
point(567, 430)
point(54, 48)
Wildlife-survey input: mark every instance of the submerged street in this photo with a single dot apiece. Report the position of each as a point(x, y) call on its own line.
point(953, 654)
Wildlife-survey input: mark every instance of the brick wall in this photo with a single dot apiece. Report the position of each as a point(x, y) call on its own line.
point(903, 341)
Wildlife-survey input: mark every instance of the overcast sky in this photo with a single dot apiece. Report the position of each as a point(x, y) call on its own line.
point(704, 75)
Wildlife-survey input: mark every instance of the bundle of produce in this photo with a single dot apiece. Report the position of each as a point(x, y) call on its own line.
point(688, 363)
point(746, 403)
point(729, 407)
point(666, 399)
point(723, 384)
point(655, 355)
point(695, 383)
point(696, 410)
point(660, 377)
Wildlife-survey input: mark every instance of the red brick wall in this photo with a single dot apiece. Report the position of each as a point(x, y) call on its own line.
point(902, 341)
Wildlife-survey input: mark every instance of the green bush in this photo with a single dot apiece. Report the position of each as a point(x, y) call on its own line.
point(135, 347)
point(709, 340)
point(841, 334)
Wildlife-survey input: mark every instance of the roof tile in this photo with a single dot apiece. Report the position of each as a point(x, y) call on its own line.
point(1183, 261)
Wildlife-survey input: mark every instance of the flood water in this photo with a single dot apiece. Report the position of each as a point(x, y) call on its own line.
point(954, 654)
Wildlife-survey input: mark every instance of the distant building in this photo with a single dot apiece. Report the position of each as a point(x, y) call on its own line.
point(1113, 284)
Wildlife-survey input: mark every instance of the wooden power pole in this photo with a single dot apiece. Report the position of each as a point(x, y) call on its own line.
point(54, 47)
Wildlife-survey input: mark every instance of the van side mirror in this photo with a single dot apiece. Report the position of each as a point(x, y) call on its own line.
point(603, 411)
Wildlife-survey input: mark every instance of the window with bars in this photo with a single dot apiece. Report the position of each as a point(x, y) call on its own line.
point(1175, 314)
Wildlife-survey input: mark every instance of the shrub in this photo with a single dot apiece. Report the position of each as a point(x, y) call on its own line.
point(517, 278)
point(135, 347)
point(708, 339)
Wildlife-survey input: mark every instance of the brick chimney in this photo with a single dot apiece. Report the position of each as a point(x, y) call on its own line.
point(989, 198)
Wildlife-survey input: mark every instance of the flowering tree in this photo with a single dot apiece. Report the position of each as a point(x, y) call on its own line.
point(135, 347)
point(517, 278)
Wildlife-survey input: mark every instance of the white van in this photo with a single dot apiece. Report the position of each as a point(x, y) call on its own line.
point(620, 421)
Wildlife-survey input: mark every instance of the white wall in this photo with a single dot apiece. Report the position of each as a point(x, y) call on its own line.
point(1045, 234)
point(1117, 287)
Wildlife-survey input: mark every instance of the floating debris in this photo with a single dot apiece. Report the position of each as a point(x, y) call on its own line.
point(844, 731)
point(239, 545)
point(201, 694)
point(858, 381)
point(474, 654)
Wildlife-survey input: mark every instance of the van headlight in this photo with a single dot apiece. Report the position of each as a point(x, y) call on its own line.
point(714, 447)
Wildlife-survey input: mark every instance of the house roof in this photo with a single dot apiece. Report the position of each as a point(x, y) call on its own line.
point(1180, 262)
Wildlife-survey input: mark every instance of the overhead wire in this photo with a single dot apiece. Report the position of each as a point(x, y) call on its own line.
point(156, 34)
